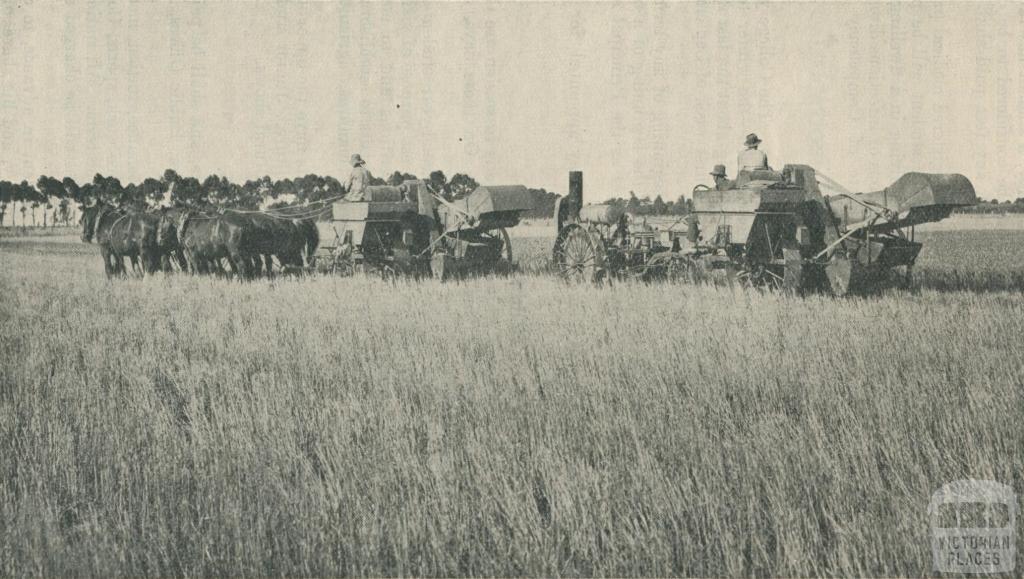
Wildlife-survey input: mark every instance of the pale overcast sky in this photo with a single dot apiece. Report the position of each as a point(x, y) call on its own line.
point(640, 97)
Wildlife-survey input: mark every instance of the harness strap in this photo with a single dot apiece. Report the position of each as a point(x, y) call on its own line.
point(181, 228)
point(100, 214)
point(114, 224)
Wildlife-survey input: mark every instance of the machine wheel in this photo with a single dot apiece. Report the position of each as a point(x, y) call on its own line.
point(343, 266)
point(675, 267)
point(504, 265)
point(761, 276)
point(581, 256)
point(685, 268)
point(332, 262)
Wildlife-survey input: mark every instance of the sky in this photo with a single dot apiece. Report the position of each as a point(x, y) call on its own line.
point(640, 97)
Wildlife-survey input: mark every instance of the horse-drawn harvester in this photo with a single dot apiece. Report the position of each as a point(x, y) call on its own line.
point(768, 228)
point(410, 229)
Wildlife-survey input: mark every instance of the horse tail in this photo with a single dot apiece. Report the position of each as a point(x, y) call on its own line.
point(312, 235)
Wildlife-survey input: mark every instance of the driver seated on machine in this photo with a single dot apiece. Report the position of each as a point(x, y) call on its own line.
point(722, 182)
point(751, 159)
point(358, 180)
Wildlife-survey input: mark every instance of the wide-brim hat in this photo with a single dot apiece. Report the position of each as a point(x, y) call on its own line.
point(718, 171)
point(357, 160)
point(752, 140)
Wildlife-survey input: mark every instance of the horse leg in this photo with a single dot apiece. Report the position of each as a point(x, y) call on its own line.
point(108, 263)
point(150, 261)
point(269, 260)
point(247, 264)
point(134, 260)
point(197, 265)
point(236, 263)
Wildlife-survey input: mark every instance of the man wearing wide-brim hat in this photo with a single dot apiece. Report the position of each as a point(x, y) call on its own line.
point(358, 179)
point(751, 159)
point(722, 182)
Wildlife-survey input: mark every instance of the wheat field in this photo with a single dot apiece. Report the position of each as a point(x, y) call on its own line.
point(182, 425)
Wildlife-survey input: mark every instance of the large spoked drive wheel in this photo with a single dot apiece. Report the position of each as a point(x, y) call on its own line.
point(580, 256)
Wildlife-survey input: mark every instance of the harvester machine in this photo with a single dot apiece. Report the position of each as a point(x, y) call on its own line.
point(412, 229)
point(767, 228)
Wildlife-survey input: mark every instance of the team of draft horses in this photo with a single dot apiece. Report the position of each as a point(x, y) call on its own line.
point(199, 241)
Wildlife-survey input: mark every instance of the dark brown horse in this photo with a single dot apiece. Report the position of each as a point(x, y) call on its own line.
point(311, 235)
point(270, 236)
point(121, 234)
point(205, 239)
point(167, 238)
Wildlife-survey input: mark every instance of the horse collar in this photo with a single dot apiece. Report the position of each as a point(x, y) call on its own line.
point(96, 224)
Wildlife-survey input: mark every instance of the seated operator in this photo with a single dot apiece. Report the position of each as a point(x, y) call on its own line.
point(751, 159)
point(722, 183)
point(355, 187)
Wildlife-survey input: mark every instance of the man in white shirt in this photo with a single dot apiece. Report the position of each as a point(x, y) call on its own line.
point(751, 159)
point(358, 180)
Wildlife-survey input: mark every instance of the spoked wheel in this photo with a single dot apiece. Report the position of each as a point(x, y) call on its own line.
point(379, 269)
point(685, 268)
point(674, 267)
point(343, 266)
point(333, 262)
point(580, 256)
point(761, 276)
point(388, 272)
point(503, 265)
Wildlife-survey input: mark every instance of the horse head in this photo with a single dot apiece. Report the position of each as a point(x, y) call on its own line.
point(168, 228)
point(90, 221)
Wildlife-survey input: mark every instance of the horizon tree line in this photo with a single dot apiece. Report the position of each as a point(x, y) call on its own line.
point(60, 197)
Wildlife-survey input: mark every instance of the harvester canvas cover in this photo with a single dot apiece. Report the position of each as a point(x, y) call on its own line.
point(913, 199)
point(492, 207)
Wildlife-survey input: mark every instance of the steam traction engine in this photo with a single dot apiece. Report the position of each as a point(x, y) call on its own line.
point(768, 228)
